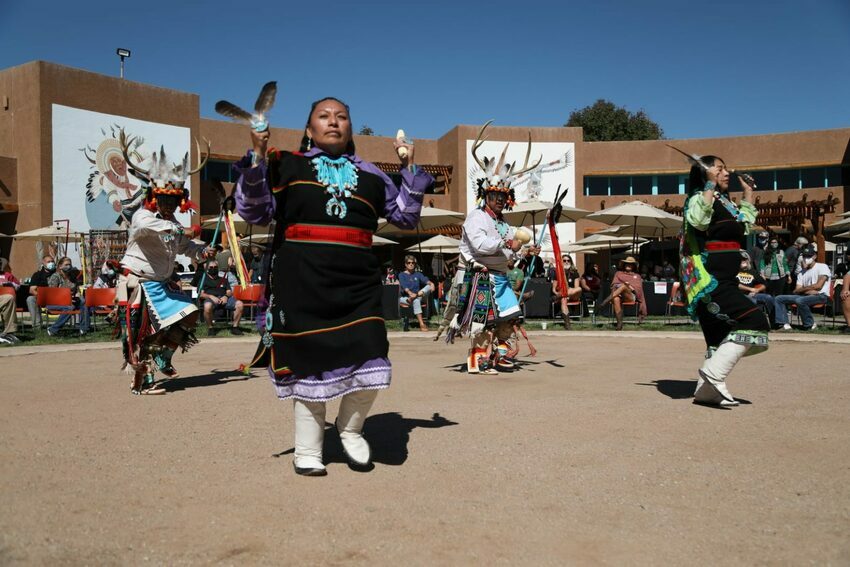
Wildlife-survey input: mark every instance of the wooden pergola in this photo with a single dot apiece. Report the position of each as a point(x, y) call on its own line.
point(442, 174)
point(797, 217)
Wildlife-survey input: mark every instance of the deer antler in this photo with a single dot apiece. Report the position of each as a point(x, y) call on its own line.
point(477, 144)
point(125, 146)
point(202, 162)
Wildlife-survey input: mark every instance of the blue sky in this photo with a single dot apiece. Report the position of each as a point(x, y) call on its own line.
point(718, 69)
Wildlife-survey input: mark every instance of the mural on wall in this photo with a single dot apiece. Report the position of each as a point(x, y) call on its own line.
point(556, 168)
point(92, 184)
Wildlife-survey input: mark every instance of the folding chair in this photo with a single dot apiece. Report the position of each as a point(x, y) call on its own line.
point(250, 296)
point(48, 297)
point(673, 301)
point(5, 290)
point(100, 301)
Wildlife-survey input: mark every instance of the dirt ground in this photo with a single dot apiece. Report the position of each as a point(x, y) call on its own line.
point(592, 453)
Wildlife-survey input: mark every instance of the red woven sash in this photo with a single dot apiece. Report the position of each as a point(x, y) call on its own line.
point(329, 235)
point(721, 245)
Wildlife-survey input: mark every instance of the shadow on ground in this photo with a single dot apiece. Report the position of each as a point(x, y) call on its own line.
point(388, 435)
point(214, 378)
point(682, 390)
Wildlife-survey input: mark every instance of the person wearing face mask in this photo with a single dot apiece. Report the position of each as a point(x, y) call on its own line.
point(756, 253)
point(572, 292)
point(108, 276)
point(812, 289)
point(324, 336)
point(39, 279)
point(62, 277)
point(714, 228)
point(792, 255)
point(752, 284)
point(775, 268)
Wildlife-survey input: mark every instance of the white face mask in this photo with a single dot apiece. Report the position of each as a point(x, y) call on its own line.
point(809, 262)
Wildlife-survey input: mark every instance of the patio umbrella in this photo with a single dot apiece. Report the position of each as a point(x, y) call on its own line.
point(519, 215)
point(637, 213)
point(49, 234)
point(840, 224)
point(843, 235)
point(431, 217)
point(605, 239)
point(437, 243)
point(239, 223)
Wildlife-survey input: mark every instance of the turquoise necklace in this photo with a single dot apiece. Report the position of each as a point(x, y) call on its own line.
point(339, 176)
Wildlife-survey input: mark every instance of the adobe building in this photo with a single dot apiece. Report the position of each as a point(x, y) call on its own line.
point(58, 135)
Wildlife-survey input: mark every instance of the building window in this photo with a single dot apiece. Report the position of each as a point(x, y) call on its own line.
point(764, 180)
point(596, 186)
point(787, 178)
point(668, 184)
point(218, 170)
point(812, 177)
point(620, 186)
point(642, 185)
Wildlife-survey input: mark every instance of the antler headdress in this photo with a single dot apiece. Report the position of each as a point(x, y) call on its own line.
point(164, 178)
point(499, 175)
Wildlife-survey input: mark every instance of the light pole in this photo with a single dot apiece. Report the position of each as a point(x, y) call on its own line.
point(122, 53)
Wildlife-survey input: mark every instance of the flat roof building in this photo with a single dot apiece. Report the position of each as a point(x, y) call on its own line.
point(58, 158)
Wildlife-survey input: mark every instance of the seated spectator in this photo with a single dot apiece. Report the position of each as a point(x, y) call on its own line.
point(626, 286)
point(257, 268)
point(108, 274)
point(591, 283)
point(389, 274)
point(668, 271)
point(572, 292)
point(754, 286)
point(414, 287)
point(7, 304)
point(812, 289)
point(62, 278)
point(532, 265)
point(217, 296)
point(39, 279)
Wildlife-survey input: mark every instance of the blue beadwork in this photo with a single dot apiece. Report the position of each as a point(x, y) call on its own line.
point(339, 176)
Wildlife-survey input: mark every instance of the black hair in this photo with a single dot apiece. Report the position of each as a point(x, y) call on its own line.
point(305, 139)
point(697, 177)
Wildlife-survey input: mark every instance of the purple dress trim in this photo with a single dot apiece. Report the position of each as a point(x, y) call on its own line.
point(372, 374)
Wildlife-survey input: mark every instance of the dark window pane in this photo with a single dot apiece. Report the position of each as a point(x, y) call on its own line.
point(763, 179)
point(668, 184)
point(217, 171)
point(642, 185)
point(833, 176)
point(812, 177)
point(596, 185)
point(787, 179)
point(620, 186)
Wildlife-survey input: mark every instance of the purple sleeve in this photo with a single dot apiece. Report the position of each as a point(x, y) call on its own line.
point(404, 204)
point(254, 200)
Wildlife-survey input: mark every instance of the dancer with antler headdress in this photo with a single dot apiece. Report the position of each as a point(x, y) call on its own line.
point(487, 306)
point(713, 233)
point(159, 319)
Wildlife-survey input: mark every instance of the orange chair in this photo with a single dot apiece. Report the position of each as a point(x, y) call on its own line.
point(249, 295)
point(55, 296)
point(674, 300)
point(100, 301)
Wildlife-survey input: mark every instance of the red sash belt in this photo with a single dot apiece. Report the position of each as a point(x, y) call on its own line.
point(330, 235)
point(721, 245)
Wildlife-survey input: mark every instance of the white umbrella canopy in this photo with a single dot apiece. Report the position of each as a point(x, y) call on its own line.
point(49, 234)
point(573, 249)
point(240, 223)
point(650, 231)
point(635, 214)
point(840, 224)
point(381, 241)
point(437, 243)
point(431, 217)
point(605, 240)
point(843, 235)
point(523, 213)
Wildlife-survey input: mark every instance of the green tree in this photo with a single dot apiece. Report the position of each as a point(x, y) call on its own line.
point(366, 131)
point(603, 121)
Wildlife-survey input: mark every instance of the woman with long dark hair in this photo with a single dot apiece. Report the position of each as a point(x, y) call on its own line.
point(774, 268)
point(713, 236)
point(324, 336)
